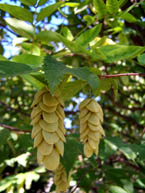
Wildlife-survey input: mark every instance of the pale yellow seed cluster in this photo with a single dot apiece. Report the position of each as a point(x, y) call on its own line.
point(61, 179)
point(48, 128)
point(91, 131)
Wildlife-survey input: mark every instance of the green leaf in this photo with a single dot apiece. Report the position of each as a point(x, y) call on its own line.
point(106, 150)
point(98, 42)
point(21, 27)
point(67, 33)
point(31, 48)
point(76, 48)
point(97, 54)
point(86, 177)
point(129, 18)
point(29, 2)
point(2, 58)
point(18, 12)
point(127, 185)
point(122, 2)
point(125, 80)
point(126, 149)
point(25, 142)
point(112, 6)
point(1, 49)
point(71, 4)
point(88, 35)
point(114, 53)
point(4, 134)
point(116, 175)
point(6, 182)
point(41, 2)
point(85, 74)
point(54, 72)
point(47, 11)
point(141, 59)
point(33, 81)
point(31, 60)
point(72, 148)
point(114, 85)
point(72, 88)
point(104, 85)
point(100, 8)
point(89, 19)
point(19, 40)
point(29, 178)
point(10, 189)
point(47, 36)
point(117, 189)
point(8, 68)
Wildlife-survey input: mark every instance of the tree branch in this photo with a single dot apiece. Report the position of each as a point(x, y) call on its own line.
point(11, 128)
point(127, 118)
point(121, 158)
point(9, 108)
point(119, 105)
point(3, 26)
point(123, 74)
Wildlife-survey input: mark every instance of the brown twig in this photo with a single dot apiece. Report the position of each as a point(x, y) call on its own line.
point(9, 108)
point(9, 30)
point(127, 118)
point(123, 74)
point(122, 159)
point(11, 128)
point(119, 105)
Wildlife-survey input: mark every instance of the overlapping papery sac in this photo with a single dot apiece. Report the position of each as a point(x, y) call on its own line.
point(48, 128)
point(91, 131)
point(61, 179)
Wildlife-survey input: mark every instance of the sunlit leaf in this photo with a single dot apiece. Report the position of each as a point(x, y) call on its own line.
point(88, 35)
point(47, 11)
point(120, 52)
point(72, 88)
point(29, 2)
point(100, 8)
point(141, 59)
point(112, 6)
point(117, 189)
point(18, 12)
point(21, 27)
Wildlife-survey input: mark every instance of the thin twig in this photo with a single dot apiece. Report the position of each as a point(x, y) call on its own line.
point(123, 74)
point(3, 26)
point(11, 128)
point(125, 107)
point(122, 159)
point(127, 118)
point(9, 108)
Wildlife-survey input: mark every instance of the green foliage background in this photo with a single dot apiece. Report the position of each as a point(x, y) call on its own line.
point(100, 38)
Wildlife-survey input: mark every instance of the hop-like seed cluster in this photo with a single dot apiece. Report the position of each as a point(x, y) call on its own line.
point(61, 179)
point(91, 131)
point(48, 128)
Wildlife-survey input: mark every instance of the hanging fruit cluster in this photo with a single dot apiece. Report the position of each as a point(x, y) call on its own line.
point(48, 132)
point(91, 131)
point(61, 179)
point(48, 128)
